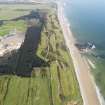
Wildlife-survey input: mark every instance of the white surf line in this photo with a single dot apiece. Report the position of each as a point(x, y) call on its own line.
point(100, 97)
point(76, 68)
point(73, 57)
point(91, 63)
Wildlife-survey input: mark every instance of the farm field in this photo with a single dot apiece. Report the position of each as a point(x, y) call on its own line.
point(53, 84)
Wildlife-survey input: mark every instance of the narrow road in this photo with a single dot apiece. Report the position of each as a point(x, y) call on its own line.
point(82, 69)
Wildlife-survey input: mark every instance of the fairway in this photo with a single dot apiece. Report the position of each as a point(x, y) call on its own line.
point(54, 84)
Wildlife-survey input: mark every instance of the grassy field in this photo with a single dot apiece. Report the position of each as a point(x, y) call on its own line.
point(15, 10)
point(6, 28)
point(12, 11)
point(53, 85)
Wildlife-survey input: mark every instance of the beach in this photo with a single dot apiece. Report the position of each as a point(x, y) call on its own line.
point(82, 68)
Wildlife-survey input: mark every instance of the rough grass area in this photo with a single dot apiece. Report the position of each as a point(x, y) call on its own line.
point(52, 85)
point(16, 10)
point(10, 26)
point(12, 11)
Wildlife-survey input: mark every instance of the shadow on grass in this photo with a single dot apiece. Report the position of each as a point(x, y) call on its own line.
point(21, 62)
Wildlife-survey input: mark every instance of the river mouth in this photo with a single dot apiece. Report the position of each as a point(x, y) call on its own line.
point(22, 61)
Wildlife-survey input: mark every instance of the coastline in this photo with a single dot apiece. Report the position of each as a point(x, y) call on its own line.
point(87, 85)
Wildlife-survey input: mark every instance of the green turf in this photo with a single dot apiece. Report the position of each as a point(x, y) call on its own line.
point(10, 26)
point(15, 10)
point(54, 85)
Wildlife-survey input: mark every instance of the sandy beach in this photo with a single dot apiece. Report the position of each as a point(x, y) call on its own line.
point(82, 69)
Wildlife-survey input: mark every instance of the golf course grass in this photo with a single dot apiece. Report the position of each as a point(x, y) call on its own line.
point(55, 84)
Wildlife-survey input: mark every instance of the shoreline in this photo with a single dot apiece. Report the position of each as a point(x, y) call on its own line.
point(99, 95)
point(87, 87)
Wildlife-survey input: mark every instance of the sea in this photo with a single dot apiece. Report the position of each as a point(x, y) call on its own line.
point(87, 23)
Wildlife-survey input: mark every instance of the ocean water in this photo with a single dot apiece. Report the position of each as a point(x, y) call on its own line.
point(87, 23)
point(87, 20)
